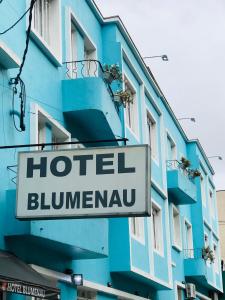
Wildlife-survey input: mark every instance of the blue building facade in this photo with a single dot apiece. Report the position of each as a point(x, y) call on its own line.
point(69, 99)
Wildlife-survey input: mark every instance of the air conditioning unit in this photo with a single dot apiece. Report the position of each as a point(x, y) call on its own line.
point(190, 291)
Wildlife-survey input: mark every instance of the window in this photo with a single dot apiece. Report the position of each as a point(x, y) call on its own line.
point(171, 149)
point(206, 244)
point(157, 228)
point(211, 203)
point(91, 67)
point(176, 227)
point(179, 293)
point(137, 228)
point(131, 109)
point(42, 18)
point(47, 129)
point(216, 260)
point(188, 239)
point(203, 189)
point(46, 25)
point(85, 294)
point(152, 135)
point(206, 240)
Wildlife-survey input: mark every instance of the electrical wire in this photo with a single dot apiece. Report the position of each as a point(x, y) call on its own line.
point(17, 80)
point(14, 24)
point(27, 41)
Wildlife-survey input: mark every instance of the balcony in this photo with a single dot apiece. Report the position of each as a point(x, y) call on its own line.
point(68, 239)
point(180, 186)
point(88, 103)
point(195, 267)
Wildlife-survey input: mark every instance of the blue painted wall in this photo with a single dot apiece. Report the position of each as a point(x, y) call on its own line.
point(102, 250)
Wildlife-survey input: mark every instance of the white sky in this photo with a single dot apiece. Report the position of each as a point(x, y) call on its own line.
point(192, 34)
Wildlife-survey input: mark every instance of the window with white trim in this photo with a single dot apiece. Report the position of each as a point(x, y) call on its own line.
point(171, 149)
point(206, 240)
point(157, 228)
point(216, 260)
point(211, 203)
point(188, 238)
point(176, 227)
point(179, 293)
point(152, 135)
point(137, 228)
point(46, 24)
point(203, 188)
point(85, 294)
point(206, 244)
point(73, 43)
point(131, 109)
point(47, 129)
point(91, 67)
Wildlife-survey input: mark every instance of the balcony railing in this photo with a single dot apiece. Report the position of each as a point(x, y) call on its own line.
point(86, 68)
point(193, 253)
point(177, 165)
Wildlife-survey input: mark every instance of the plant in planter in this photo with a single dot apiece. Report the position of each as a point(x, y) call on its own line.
point(185, 163)
point(195, 173)
point(111, 73)
point(207, 254)
point(123, 97)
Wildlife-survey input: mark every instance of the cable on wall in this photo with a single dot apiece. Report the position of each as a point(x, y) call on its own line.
point(14, 24)
point(18, 81)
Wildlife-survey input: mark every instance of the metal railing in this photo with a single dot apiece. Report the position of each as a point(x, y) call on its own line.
point(87, 68)
point(84, 68)
point(193, 253)
point(177, 165)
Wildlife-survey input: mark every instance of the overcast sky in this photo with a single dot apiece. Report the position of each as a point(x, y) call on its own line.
point(192, 34)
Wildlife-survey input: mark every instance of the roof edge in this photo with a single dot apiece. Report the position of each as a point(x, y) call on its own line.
point(117, 20)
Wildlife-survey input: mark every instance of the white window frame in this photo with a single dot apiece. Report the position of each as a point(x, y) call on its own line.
point(137, 229)
point(212, 203)
point(152, 135)
point(157, 232)
point(91, 68)
point(179, 293)
point(178, 286)
point(134, 128)
point(206, 244)
point(53, 47)
point(206, 240)
point(88, 44)
point(37, 114)
point(216, 261)
point(174, 146)
point(177, 240)
point(203, 178)
point(189, 237)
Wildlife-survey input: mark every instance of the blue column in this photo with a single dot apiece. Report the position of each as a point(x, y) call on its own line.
point(68, 292)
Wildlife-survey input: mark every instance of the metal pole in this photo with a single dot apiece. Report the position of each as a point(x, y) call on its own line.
point(42, 145)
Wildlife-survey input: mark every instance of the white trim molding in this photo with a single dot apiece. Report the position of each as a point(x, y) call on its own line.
point(88, 284)
point(8, 59)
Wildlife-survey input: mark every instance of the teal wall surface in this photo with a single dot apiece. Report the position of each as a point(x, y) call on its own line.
point(103, 250)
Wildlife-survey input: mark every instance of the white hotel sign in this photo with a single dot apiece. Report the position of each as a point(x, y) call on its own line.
point(93, 182)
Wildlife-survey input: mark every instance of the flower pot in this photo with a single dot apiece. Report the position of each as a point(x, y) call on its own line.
point(108, 77)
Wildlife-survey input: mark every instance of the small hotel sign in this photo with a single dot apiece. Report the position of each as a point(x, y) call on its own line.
point(93, 182)
point(19, 288)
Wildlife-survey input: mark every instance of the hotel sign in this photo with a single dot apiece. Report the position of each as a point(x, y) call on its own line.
point(93, 182)
point(24, 289)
